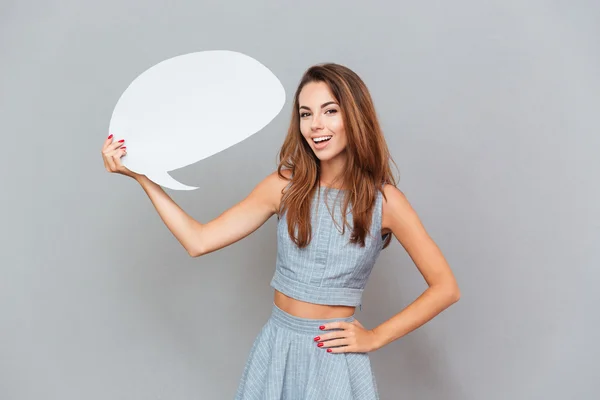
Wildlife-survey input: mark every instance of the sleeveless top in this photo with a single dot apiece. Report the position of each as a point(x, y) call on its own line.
point(330, 270)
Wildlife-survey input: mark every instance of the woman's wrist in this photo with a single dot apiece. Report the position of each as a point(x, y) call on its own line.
point(140, 178)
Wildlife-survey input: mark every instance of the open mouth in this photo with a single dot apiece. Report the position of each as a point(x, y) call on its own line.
point(322, 139)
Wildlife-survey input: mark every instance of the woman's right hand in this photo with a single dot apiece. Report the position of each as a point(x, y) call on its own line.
point(111, 155)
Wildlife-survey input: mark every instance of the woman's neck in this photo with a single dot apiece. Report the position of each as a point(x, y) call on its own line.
point(332, 172)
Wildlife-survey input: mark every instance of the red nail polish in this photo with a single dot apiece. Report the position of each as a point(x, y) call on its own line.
point(322, 327)
point(121, 141)
point(110, 136)
point(317, 338)
point(320, 345)
point(329, 350)
point(124, 147)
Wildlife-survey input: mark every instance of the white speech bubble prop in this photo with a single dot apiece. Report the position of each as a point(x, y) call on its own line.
point(189, 107)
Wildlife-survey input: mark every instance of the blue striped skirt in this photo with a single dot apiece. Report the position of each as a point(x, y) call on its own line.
point(286, 364)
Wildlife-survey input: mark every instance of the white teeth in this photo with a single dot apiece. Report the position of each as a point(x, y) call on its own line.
point(322, 138)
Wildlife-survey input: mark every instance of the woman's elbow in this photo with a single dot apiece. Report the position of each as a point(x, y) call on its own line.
point(195, 252)
point(449, 292)
point(453, 293)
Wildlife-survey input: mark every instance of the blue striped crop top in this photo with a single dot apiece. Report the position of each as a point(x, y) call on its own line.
point(330, 270)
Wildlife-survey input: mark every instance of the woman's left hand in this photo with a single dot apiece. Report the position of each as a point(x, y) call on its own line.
point(353, 338)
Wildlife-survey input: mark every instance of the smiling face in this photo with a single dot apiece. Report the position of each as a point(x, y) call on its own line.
point(321, 122)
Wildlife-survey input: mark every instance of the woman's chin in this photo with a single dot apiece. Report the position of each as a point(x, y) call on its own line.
point(326, 156)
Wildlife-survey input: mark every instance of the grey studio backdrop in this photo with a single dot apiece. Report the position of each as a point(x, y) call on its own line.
point(490, 111)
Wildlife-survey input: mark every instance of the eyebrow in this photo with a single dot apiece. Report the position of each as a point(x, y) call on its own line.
point(322, 105)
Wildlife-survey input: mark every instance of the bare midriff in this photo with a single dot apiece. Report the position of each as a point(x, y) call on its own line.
point(303, 309)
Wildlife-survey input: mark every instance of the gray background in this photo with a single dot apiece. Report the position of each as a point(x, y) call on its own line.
point(490, 110)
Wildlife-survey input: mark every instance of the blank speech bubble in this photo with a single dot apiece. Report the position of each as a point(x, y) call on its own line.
point(189, 107)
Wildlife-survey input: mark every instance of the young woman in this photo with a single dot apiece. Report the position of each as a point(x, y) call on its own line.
point(337, 207)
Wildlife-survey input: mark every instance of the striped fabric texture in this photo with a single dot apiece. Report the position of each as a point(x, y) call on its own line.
point(330, 270)
point(286, 364)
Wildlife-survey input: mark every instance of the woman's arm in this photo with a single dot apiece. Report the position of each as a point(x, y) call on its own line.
point(443, 291)
point(232, 225)
point(198, 239)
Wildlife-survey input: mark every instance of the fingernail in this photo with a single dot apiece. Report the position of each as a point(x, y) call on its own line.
point(322, 327)
point(329, 350)
point(110, 136)
point(317, 338)
point(320, 345)
point(124, 147)
point(121, 141)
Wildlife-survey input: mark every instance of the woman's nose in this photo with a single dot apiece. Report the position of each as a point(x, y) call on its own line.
point(316, 123)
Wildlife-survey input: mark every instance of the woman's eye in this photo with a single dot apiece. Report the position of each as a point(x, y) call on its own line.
point(333, 111)
point(302, 115)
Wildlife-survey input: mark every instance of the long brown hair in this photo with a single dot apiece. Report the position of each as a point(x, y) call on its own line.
point(368, 157)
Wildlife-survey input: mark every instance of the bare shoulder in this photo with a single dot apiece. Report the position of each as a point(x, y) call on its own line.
point(270, 189)
point(277, 183)
point(396, 209)
point(287, 176)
